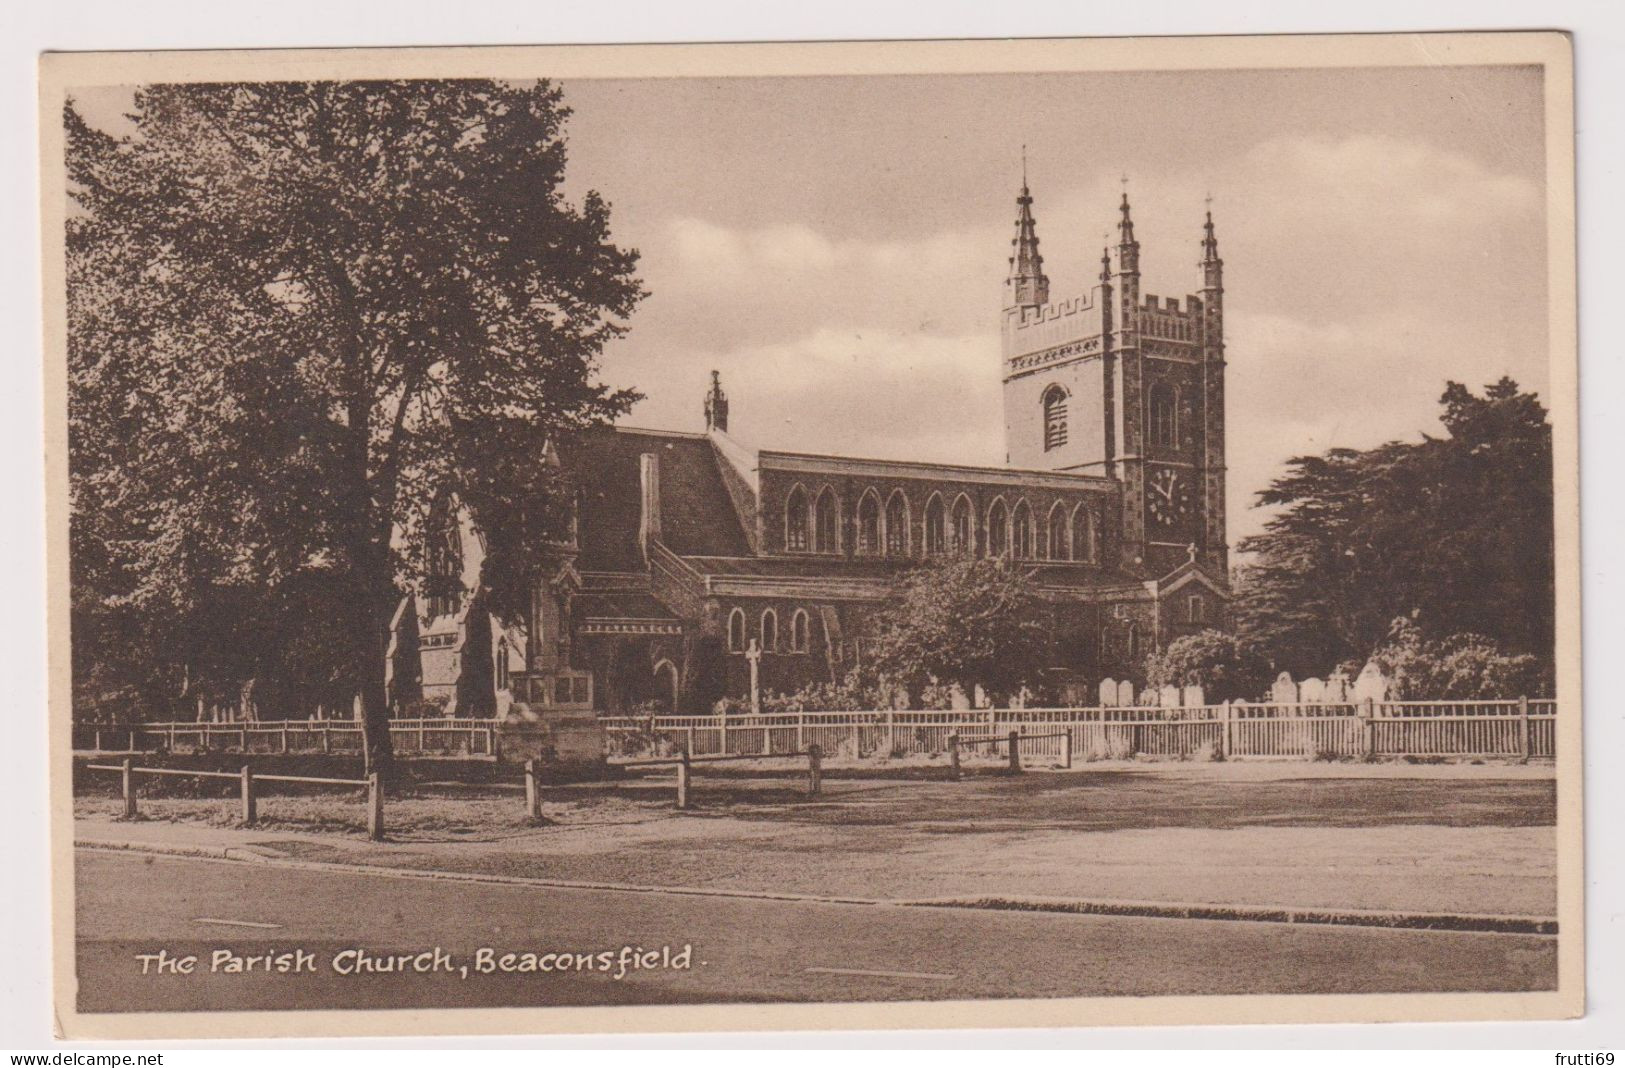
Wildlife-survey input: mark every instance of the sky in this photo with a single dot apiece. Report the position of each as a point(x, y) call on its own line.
point(836, 246)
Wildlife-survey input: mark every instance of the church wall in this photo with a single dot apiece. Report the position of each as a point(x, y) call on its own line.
point(1085, 448)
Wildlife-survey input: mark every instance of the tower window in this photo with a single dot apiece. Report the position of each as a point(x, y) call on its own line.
point(770, 631)
point(736, 631)
point(795, 522)
point(1196, 608)
point(798, 632)
point(1164, 416)
point(1054, 418)
point(825, 523)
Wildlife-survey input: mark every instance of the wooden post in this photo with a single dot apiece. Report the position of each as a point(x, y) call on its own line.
point(327, 738)
point(688, 739)
point(284, 734)
point(953, 754)
point(533, 791)
point(1015, 751)
point(129, 787)
point(1224, 730)
point(801, 730)
point(1523, 730)
point(1066, 748)
point(815, 771)
point(1368, 729)
point(250, 809)
point(132, 740)
point(682, 780)
point(724, 725)
point(891, 733)
point(375, 807)
point(172, 737)
point(98, 745)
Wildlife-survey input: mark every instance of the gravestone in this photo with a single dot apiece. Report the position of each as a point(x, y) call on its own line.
point(1312, 691)
point(1371, 683)
point(1108, 693)
point(1284, 692)
point(1125, 694)
point(1149, 697)
point(1337, 688)
point(1194, 697)
point(1168, 696)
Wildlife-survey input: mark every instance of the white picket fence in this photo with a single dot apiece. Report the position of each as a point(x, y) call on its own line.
point(424, 737)
point(1516, 728)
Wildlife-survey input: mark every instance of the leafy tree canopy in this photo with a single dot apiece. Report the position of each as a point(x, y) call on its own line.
point(1226, 667)
point(299, 311)
point(1454, 533)
point(962, 620)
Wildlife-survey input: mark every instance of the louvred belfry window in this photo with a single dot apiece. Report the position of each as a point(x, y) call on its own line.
point(869, 524)
point(896, 525)
point(1054, 418)
point(825, 523)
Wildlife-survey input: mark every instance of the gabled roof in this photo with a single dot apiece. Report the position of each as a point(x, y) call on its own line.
point(697, 515)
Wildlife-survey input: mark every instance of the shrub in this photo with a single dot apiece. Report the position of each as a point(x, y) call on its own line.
point(1458, 667)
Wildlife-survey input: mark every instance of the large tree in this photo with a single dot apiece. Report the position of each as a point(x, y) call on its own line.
point(962, 620)
point(1455, 533)
point(298, 312)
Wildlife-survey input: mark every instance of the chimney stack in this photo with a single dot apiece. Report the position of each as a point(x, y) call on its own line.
point(649, 513)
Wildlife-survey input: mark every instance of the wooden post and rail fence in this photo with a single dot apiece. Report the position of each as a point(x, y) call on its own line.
point(247, 794)
point(685, 764)
point(1014, 740)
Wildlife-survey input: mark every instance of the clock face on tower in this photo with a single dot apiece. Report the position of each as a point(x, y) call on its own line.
point(1168, 498)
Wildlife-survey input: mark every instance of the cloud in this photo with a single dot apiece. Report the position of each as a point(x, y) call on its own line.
point(1361, 273)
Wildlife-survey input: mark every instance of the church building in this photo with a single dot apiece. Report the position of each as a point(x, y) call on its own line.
point(693, 557)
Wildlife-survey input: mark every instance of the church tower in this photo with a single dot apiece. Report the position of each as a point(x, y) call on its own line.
point(1120, 384)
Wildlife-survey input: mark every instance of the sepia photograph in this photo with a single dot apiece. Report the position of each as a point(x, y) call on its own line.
point(763, 536)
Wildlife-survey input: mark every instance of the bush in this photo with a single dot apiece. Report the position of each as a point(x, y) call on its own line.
point(1226, 667)
point(1459, 667)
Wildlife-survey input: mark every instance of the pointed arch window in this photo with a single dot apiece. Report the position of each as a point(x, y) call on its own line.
point(1085, 546)
point(869, 523)
point(897, 524)
point(826, 523)
point(1060, 538)
point(770, 631)
point(736, 631)
point(798, 631)
point(795, 521)
point(1021, 532)
point(444, 563)
point(1164, 415)
point(964, 526)
point(936, 526)
point(1054, 401)
point(998, 529)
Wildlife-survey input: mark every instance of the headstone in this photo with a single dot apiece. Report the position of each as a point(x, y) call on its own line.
point(1312, 691)
point(1371, 683)
point(1337, 688)
point(1149, 697)
point(1168, 696)
point(1125, 694)
point(1194, 697)
point(1108, 693)
point(1284, 692)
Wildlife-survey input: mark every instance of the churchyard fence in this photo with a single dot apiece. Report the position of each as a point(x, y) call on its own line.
point(1519, 729)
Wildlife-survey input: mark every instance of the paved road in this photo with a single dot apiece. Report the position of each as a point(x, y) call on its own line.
point(743, 950)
